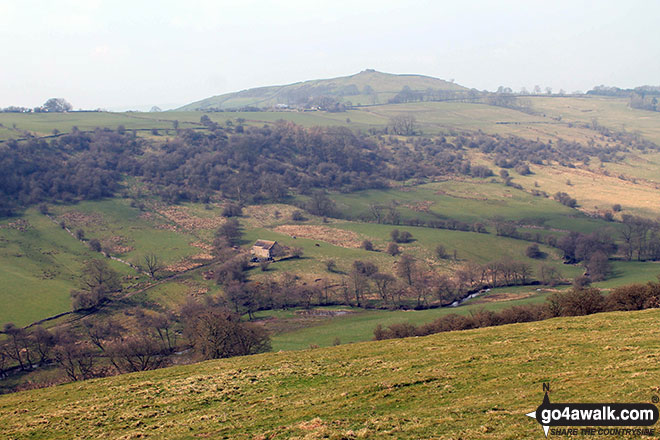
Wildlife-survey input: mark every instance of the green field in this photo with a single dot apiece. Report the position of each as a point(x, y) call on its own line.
point(475, 384)
point(470, 201)
point(359, 325)
point(39, 267)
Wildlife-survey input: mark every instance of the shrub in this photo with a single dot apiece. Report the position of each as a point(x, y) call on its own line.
point(581, 281)
point(480, 171)
point(405, 237)
point(367, 245)
point(95, 245)
point(232, 210)
point(533, 251)
point(578, 301)
point(631, 297)
point(297, 216)
point(565, 199)
point(616, 208)
point(440, 252)
point(523, 169)
point(401, 330)
point(331, 266)
point(400, 236)
point(393, 249)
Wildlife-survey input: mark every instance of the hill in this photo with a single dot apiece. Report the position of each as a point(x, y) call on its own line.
point(365, 88)
point(476, 384)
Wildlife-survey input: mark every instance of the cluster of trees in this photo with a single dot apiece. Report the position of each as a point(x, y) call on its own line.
point(593, 250)
point(641, 239)
point(511, 151)
point(97, 282)
point(409, 95)
point(645, 102)
point(412, 285)
point(565, 199)
point(577, 301)
point(138, 340)
point(78, 166)
point(53, 105)
point(254, 164)
point(389, 214)
point(644, 97)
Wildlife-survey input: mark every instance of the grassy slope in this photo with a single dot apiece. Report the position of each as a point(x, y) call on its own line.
point(43, 124)
point(384, 85)
point(39, 266)
point(475, 384)
point(610, 112)
point(470, 200)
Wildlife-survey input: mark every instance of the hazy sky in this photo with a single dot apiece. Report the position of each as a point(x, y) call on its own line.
point(119, 54)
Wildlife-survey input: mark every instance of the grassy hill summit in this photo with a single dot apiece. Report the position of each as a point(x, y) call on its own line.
point(368, 87)
point(475, 384)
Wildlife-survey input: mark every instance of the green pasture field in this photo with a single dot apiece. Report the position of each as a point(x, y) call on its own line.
point(116, 218)
point(359, 324)
point(43, 124)
point(614, 113)
point(38, 268)
point(470, 201)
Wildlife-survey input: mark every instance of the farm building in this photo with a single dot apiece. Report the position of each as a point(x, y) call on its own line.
point(264, 249)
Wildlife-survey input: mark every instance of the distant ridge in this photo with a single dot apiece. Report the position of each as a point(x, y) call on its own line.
point(368, 87)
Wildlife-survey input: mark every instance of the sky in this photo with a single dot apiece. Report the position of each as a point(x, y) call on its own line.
point(121, 55)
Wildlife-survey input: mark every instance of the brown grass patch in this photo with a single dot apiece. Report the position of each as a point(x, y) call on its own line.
point(423, 206)
point(116, 245)
point(455, 195)
point(203, 256)
point(77, 218)
point(258, 216)
point(338, 237)
point(183, 266)
point(21, 225)
point(504, 296)
point(182, 218)
point(205, 246)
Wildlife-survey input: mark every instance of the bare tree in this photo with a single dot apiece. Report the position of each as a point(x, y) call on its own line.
point(136, 352)
point(406, 268)
point(152, 264)
point(97, 281)
point(384, 285)
point(75, 358)
point(216, 333)
point(403, 125)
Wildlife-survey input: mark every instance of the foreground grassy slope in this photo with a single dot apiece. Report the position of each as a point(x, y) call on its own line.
point(474, 384)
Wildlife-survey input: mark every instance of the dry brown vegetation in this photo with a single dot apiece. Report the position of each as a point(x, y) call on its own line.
point(337, 237)
point(187, 221)
point(21, 225)
point(116, 245)
point(79, 219)
point(264, 215)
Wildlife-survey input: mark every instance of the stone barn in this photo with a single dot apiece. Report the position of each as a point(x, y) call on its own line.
point(264, 249)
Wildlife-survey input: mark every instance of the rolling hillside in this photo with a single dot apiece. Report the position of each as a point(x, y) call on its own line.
point(365, 88)
point(476, 384)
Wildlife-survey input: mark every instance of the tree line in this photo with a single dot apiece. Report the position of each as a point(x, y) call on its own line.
point(577, 301)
